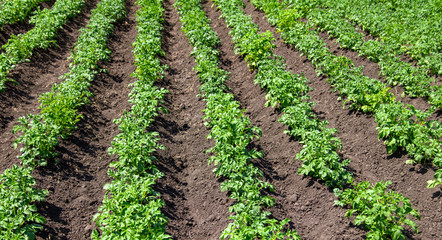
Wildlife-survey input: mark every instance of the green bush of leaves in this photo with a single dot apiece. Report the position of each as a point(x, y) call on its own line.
point(18, 217)
point(384, 214)
point(16, 10)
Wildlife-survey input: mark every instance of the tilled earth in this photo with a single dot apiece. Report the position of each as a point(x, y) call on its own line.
point(195, 206)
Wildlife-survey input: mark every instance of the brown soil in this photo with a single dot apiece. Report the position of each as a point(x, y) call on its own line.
point(195, 206)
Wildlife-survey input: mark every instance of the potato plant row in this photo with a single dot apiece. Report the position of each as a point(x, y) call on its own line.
point(289, 92)
point(131, 208)
point(401, 126)
point(416, 81)
point(16, 10)
point(47, 22)
point(57, 119)
point(410, 26)
point(18, 217)
point(232, 132)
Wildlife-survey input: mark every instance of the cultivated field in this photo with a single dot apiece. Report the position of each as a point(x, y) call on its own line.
point(190, 119)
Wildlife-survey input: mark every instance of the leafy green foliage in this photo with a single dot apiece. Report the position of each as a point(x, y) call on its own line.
point(409, 128)
point(231, 129)
point(384, 214)
point(320, 151)
point(131, 208)
point(133, 211)
point(256, 47)
point(16, 10)
point(18, 217)
point(437, 179)
point(47, 22)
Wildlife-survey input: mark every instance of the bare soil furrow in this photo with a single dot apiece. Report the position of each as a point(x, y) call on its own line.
point(195, 205)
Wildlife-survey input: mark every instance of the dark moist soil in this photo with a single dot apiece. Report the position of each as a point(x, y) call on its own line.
point(195, 205)
point(32, 79)
point(357, 131)
point(76, 178)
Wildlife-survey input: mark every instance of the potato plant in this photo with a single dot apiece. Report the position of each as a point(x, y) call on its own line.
point(410, 27)
point(383, 213)
point(16, 10)
point(41, 132)
point(289, 92)
point(131, 208)
point(18, 217)
point(437, 179)
point(416, 81)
